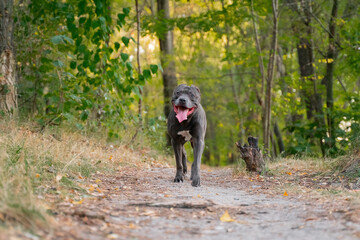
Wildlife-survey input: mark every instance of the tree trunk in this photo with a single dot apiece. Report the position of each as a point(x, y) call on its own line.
point(270, 73)
point(279, 138)
point(328, 79)
point(260, 95)
point(168, 64)
point(233, 85)
point(138, 59)
point(313, 101)
point(8, 94)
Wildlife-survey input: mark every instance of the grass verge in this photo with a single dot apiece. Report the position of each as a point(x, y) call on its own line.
point(54, 164)
point(327, 179)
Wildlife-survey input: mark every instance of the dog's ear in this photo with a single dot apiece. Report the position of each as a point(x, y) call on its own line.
point(197, 89)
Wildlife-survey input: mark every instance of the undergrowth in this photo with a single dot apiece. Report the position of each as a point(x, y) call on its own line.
point(35, 162)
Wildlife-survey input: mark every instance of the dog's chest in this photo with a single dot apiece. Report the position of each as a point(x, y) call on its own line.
point(186, 134)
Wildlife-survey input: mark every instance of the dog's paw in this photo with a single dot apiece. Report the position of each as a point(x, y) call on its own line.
point(185, 171)
point(178, 178)
point(195, 181)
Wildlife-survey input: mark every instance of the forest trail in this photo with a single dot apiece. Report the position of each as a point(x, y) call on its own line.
point(146, 204)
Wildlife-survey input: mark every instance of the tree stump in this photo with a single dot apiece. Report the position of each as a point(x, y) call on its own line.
point(252, 155)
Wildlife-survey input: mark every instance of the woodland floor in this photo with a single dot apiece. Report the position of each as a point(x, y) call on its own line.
point(146, 204)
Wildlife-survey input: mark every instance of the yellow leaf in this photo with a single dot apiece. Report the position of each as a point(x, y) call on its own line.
point(37, 175)
point(167, 195)
point(286, 194)
point(199, 196)
point(97, 180)
point(289, 173)
point(132, 226)
point(78, 202)
point(226, 217)
point(110, 158)
point(92, 188)
point(98, 189)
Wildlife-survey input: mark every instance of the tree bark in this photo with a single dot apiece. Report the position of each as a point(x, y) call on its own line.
point(279, 138)
point(305, 48)
point(138, 58)
point(260, 95)
point(233, 85)
point(252, 155)
point(270, 73)
point(168, 64)
point(328, 79)
point(8, 93)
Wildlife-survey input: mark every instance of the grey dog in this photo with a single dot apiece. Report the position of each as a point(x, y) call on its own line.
point(187, 122)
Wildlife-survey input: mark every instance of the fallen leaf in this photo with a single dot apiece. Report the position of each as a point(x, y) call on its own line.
point(286, 194)
point(37, 175)
point(97, 180)
point(98, 189)
point(132, 226)
point(167, 195)
point(226, 217)
point(112, 236)
point(78, 202)
point(289, 173)
point(92, 188)
point(199, 196)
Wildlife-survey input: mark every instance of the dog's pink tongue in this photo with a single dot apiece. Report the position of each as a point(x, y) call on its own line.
point(182, 114)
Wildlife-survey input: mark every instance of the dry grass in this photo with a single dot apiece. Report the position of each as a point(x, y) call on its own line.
point(312, 178)
point(34, 164)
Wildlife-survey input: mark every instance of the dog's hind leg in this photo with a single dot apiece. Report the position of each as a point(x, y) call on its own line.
point(184, 160)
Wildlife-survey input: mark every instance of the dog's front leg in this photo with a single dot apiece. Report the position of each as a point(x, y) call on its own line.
point(178, 148)
point(195, 167)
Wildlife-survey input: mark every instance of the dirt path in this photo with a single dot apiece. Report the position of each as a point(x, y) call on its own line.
point(138, 204)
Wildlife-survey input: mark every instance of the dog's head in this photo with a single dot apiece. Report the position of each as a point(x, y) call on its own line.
point(185, 101)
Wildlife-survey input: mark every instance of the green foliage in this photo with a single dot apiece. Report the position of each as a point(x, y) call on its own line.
point(73, 70)
point(76, 63)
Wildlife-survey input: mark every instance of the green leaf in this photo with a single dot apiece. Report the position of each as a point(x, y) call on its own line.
point(147, 74)
point(72, 64)
point(153, 68)
point(58, 63)
point(84, 115)
point(124, 56)
point(67, 39)
point(56, 39)
point(125, 40)
point(117, 46)
point(126, 11)
point(129, 66)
